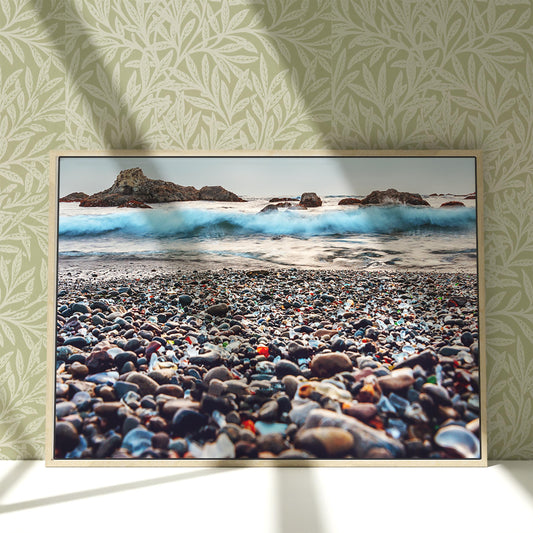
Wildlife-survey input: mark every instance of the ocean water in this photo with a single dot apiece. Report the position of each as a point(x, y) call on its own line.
point(236, 235)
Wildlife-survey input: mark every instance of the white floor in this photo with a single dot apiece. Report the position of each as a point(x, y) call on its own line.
point(256, 500)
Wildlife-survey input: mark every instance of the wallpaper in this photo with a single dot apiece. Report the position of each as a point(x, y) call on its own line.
point(270, 74)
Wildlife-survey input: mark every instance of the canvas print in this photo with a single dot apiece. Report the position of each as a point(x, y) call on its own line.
point(267, 308)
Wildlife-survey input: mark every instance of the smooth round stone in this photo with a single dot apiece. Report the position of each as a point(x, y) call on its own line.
point(268, 411)
point(272, 442)
point(170, 390)
point(121, 358)
point(78, 370)
point(80, 307)
point(99, 304)
point(299, 413)
point(148, 402)
point(103, 378)
point(109, 446)
point(66, 437)
point(137, 441)
point(297, 351)
point(397, 380)
point(338, 345)
point(123, 387)
point(451, 351)
point(97, 321)
point(217, 388)
point(246, 449)
point(146, 384)
point(160, 440)
point(64, 409)
point(162, 376)
point(285, 367)
point(107, 393)
point(295, 454)
point(179, 445)
point(219, 372)
point(99, 361)
point(75, 420)
point(205, 359)
point(425, 359)
point(157, 424)
point(325, 441)
point(459, 440)
point(184, 300)
point(107, 409)
point(214, 403)
point(438, 393)
point(127, 367)
point(63, 353)
point(132, 345)
point(130, 422)
point(291, 385)
point(362, 411)
point(61, 390)
point(187, 421)
point(284, 403)
point(77, 341)
point(327, 365)
point(467, 338)
point(82, 400)
point(473, 403)
point(220, 309)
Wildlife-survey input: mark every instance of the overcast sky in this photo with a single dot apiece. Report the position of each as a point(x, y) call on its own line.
point(279, 176)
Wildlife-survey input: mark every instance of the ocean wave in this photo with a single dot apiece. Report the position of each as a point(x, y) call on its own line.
point(206, 223)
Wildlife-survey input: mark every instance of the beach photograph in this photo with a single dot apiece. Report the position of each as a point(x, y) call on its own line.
point(270, 308)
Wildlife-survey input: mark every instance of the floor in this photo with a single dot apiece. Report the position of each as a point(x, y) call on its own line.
point(256, 500)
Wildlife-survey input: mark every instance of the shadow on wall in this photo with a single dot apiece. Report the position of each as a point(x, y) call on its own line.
point(298, 503)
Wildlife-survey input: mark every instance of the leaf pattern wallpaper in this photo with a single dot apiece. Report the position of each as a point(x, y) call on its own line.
point(269, 74)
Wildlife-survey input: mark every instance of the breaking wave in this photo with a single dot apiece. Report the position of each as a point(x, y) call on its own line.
point(206, 223)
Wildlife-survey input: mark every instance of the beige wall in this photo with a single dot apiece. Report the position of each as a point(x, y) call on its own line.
point(282, 74)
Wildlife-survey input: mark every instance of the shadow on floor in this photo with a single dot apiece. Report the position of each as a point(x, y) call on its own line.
point(14, 476)
point(298, 503)
point(99, 491)
point(520, 471)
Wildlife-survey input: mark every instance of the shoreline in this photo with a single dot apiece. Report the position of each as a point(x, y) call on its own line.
point(138, 267)
point(266, 363)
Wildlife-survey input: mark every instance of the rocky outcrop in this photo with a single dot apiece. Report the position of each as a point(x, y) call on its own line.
point(349, 201)
point(133, 186)
point(392, 196)
point(217, 193)
point(271, 208)
point(471, 196)
point(453, 203)
point(74, 197)
point(310, 199)
point(274, 200)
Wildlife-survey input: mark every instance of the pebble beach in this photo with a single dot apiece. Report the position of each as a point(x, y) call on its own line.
point(278, 363)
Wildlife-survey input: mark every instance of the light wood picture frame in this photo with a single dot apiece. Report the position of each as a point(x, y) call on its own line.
point(317, 308)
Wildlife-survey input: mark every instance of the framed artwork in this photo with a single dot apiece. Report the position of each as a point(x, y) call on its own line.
point(292, 308)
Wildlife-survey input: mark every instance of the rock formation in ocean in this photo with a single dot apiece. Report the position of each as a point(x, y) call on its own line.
point(132, 185)
point(74, 197)
point(349, 201)
point(310, 199)
point(453, 203)
point(392, 196)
